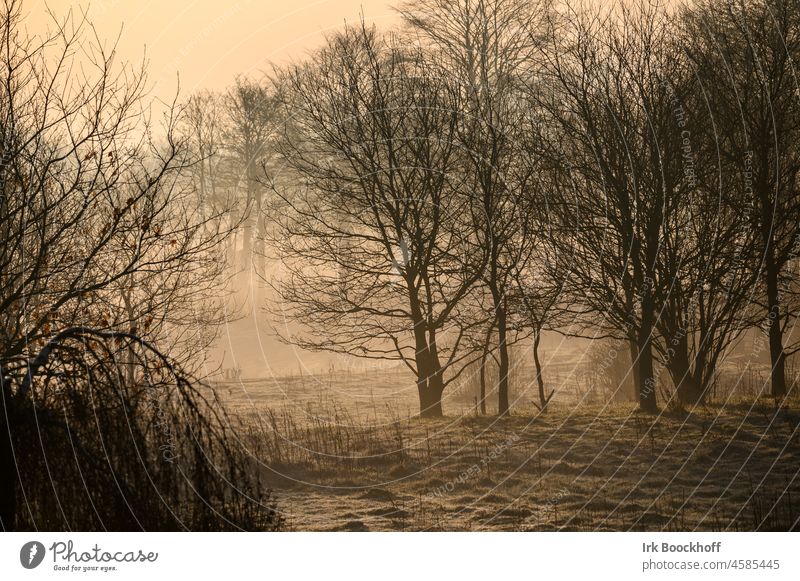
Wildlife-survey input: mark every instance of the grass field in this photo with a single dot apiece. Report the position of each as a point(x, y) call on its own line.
point(372, 465)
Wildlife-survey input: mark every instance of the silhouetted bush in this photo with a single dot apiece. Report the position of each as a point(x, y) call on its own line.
point(108, 434)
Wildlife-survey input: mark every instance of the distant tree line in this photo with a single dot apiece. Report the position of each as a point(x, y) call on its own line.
point(497, 168)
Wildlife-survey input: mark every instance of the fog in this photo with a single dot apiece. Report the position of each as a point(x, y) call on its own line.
point(207, 44)
point(355, 265)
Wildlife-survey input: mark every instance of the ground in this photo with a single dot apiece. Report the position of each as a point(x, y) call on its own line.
point(578, 467)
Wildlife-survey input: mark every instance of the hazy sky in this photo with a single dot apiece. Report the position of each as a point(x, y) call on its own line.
point(210, 42)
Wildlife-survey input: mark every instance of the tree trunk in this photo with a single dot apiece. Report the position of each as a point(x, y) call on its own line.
point(689, 392)
point(647, 381)
point(502, 387)
point(429, 386)
point(436, 378)
point(8, 469)
point(543, 399)
point(633, 346)
point(430, 402)
point(247, 249)
point(771, 271)
point(483, 379)
point(429, 379)
point(484, 356)
point(249, 226)
point(259, 250)
point(776, 353)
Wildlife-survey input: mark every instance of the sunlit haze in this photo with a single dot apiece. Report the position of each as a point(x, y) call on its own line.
point(209, 43)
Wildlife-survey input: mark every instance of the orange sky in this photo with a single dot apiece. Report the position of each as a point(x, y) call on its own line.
point(210, 42)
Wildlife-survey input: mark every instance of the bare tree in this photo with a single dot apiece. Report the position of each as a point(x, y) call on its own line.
point(487, 46)
point(707, 256)
point(746, 54)
point(374, 237)
point(616, 170)
point(536, 299)
point(249, 125)
point(203, 125)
